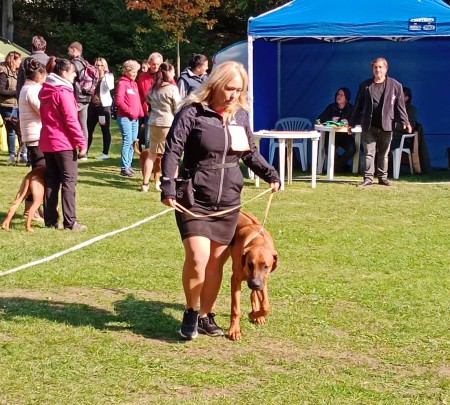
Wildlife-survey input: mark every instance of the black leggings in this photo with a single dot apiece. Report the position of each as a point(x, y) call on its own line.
point(94, 112)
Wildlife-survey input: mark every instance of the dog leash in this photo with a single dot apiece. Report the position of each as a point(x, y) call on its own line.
point(184, 210)
point(266, 214)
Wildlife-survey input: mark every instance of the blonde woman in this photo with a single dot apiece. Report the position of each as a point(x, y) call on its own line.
point(129, 110)
point(212, 130)
point(99, 110)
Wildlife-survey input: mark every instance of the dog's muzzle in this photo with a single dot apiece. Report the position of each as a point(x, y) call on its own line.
point(255, 284)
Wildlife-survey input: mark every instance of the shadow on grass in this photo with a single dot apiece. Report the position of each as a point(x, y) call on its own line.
point(146, 318)
point(103, 173)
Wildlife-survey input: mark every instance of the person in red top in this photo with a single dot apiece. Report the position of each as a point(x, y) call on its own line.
point(129, 110)
point(61, 136)
point(144, 82)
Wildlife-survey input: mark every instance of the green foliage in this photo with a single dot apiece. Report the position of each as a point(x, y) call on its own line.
point(104, 27)
point(107, 28)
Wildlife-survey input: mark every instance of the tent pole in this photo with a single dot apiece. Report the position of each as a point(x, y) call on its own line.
point(250, 79)
point(279, 80)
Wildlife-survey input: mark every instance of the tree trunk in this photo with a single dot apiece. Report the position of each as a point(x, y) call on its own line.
point(178, 57)
point(7, 20)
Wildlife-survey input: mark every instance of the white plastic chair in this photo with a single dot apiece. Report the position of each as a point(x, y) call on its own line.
point(292, 124)
point(397, 155)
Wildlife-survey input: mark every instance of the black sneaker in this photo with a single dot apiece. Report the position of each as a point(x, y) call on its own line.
point(56, 225)
point(384, 182)
point(127, 172)
point(208, 326)
point(188, 328)
point(77, 226)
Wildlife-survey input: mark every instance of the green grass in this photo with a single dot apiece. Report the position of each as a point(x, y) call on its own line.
point(360, 300)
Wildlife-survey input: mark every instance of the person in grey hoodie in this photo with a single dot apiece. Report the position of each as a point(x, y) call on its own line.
point(38, 47)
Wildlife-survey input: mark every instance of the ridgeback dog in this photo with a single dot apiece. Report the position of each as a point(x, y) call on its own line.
point(253, 258)
point(33, 183)
point(143, 155)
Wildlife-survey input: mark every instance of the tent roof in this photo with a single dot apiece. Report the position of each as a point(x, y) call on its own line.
point(7, 46)
point(353, 18)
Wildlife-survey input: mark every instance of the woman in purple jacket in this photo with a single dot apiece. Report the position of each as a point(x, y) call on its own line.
point(129, 109)
point(61, 136)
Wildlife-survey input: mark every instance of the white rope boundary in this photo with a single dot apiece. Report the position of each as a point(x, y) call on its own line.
point(84, 244)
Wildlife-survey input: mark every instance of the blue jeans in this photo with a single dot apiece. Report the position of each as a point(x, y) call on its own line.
point(129, 129)
point(6, 113)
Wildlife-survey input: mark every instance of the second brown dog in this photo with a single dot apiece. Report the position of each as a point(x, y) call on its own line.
point(254, 258)
point(33, 183)
point(143, 155)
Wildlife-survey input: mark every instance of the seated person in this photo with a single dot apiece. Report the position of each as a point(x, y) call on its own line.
point(340, 110)
point(412, 116)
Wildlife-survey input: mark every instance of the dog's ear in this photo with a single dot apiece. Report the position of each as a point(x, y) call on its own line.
point(275, 260)
point(244, 253)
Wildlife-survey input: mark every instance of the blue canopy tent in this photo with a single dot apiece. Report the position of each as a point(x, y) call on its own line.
point(301, 53)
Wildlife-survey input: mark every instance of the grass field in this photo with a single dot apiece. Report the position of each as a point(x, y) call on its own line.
point(360, 300)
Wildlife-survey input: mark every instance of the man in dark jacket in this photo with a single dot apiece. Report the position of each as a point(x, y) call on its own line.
point(75, 51)
point(378, 101)
point(193, 76)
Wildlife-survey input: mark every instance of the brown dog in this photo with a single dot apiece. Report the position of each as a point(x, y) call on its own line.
point(33, 183)
point(143, 155)
point(254, 258)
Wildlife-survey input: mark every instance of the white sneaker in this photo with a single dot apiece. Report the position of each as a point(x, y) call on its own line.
point(158, 186)
point(102, 156)
point(84, 158)
point(144, 188)
point(11, 159)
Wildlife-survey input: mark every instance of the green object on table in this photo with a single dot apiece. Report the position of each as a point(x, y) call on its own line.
point(335, 123)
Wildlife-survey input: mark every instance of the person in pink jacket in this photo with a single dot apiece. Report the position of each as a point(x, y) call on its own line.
point(62, 142)
point(129, 109)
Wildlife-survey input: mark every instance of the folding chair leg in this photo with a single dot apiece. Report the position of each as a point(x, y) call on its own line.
point(305, 155)
point(396, 163)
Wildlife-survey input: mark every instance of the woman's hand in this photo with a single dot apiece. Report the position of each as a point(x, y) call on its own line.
point(170, 202)
point(275, 186)
point(82, 153)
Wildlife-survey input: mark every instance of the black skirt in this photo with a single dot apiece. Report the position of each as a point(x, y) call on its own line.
point(220, 229)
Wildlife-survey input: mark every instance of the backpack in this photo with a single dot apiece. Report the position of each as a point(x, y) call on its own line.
point(113, 108)
point(88, 78)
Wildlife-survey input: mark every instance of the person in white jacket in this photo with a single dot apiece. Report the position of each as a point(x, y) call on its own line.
point(30, 119)
point(99, 110)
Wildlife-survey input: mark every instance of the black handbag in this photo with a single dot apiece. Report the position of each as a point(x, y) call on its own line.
point(184, 192)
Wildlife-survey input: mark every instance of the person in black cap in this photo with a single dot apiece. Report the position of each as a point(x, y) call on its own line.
point(340, 110)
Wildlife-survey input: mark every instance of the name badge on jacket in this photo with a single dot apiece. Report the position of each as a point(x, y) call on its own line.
point(130, 91)
point(239, 140)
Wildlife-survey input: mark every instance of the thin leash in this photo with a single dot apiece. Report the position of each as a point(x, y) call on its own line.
point(184, 210)
point(266, 214)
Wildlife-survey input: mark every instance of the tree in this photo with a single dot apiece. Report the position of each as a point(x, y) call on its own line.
point(7, 20)
point(177, 16)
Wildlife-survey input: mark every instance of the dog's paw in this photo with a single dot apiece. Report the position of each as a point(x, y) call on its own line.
point(257, 318)
point(234, 334)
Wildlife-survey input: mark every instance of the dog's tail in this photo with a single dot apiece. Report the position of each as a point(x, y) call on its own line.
point(136, 147)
